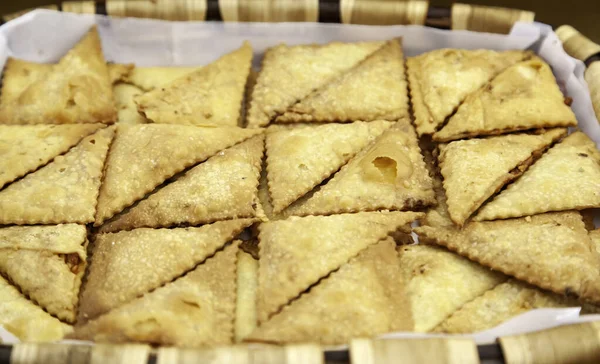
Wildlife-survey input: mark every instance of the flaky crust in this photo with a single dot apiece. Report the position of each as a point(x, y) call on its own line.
point(321, 245)
point(76, 90)
point(298, 159)
point(126, 106)
point(288, 74)
point(19, 74)
point(440, 80)
point(211, 95)
point(552, 251)
point(160, 151)
point(223, 187)
point(439, 282)
point(375, 89)
point(196, 310)
point(124, 268)
point(500, 304)
point(46, 263)
point(475, 169)
point(63, 191)
point(389, 174)
point(566, 177)
point(150, 78)
point(25, 320)
point(365, 297)
point(25, 148)
point(524, 96)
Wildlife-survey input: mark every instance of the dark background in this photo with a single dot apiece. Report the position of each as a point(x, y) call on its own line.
point(582, 14)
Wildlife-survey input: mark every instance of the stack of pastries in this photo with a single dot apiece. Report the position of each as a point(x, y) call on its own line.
point(202, 206)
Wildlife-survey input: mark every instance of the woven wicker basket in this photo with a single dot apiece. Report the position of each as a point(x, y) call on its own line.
point(568, 344)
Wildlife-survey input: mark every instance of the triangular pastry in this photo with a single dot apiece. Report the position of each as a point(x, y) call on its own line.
point(212, 95)
point(24, 148)
point(439, 282)
point(298, 159)
point(552, 251)
point(25, 320)
point(441, 79)
point(123, 267)
point(297, 252)
point(566, 177)
point(500, 304)
point(19, 74)
point(150, 78)
point(46, 263)
point(63, 191)
point(475, 169)
point(223, 187)
point(290, 73)
point(195, 310)
point(375, 89)
point(524, 96)
point(159, 151)
point(364, 298)
point(388, 174)
point(77, 90)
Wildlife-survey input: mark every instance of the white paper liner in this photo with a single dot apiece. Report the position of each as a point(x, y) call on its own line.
point(45, 36)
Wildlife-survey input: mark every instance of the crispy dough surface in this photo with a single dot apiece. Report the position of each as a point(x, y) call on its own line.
point(375, 89)
point(389, 174)
point(35, 259)
point(19, 74)
point(290, 73)
point(298, 159)
point(123, 267)
point(552, 250)
point(24, 148)
point(126, 106)
point(211, 95)
point(441, 79)
point(160, 152)
point(475, 169)
point(76, 90)
point(365, 297)
point(439, 282)
point(63, 191)
point(524, 96)
point(223, 187)
point(150, 78)
point(196, 310)
point(566, 177)
point(500, 304)
point(297, 252)
point(247, 283)
point(25, 320)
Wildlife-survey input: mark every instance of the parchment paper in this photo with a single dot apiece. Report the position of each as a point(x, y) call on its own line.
point(44, 36)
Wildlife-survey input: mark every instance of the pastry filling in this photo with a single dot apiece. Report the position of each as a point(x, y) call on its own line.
point(72, 260)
